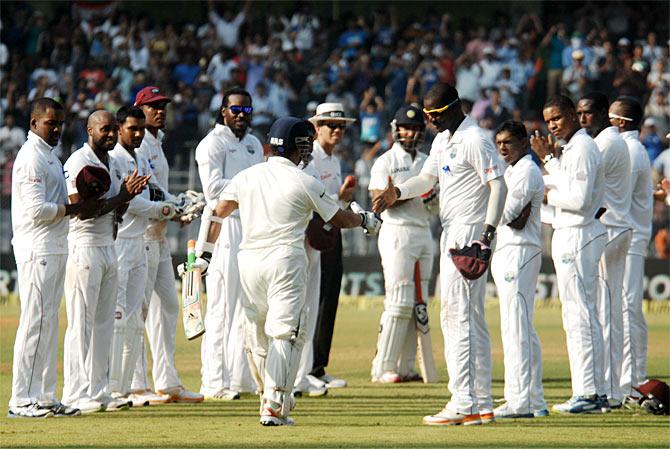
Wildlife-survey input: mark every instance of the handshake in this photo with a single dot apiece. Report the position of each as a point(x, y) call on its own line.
point(187, 207)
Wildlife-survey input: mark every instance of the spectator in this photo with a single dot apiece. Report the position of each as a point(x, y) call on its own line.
point(228, 27)
point(576, 77)
point(370, 116)
point(650, 139)
point(264, 112)
point(495, 111)
point(11, 137)
point(468, 74)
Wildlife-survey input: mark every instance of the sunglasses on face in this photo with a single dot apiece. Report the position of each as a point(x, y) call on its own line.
point(440, 110)
point(335, 126)
point(236, 110)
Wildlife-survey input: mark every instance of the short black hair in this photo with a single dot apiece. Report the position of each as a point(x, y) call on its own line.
point(599, 99)
point(562, 102)
point(441, 94)
point(129, 111)
point(631, 108)
point(41, 105)
point(517, 129)
point(227, 94)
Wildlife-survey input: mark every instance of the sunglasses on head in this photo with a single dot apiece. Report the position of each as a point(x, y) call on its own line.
point(335, 125)
point(236, 110)
point(440, 110)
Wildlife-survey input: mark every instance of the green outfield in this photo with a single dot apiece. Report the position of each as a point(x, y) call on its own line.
point(361, 416)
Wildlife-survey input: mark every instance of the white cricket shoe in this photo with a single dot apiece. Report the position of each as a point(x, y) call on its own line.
point(116, 404)
point(182, 395)
point(88, 405)
point(270, 415)
point(332, 382)
point(61, 410)
point(447, 417)
point(311, 386)
point(143, 396)
point(29, 411)
point(224, 394)
point(505, 411)
point(389, 377)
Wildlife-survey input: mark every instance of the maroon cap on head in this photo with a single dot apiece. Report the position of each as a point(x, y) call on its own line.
point(150, 94)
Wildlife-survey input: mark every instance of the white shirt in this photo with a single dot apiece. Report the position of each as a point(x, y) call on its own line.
point(140, 208)
point(642, 201)
point(398, 164)
point(524, 185)
point(618, 186)
point(662, 163)
point(220, 156)
point(228, 32)
point(38, 187)
point(151, 150)
point(97, 231)
point(11, 139)
point(276, 201)
point(464, 163)
point(330, 171)
point(576, 180)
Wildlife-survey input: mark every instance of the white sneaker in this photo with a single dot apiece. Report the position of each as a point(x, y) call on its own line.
point(447, 417)
point(136, 400)
point(332, 382)
point(270, 415)
point(223, 394)
point(148, 395)
point(88, 406)
point(61, 410)
point(182, 395)
point(311, 386)
point(29, 411)
point(505, 411)
point(116, 404)
point(389, 377)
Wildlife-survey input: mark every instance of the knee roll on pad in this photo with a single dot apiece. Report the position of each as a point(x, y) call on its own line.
point(399, 301)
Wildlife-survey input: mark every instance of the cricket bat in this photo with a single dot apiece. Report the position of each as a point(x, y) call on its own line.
point(191, 292)
point(424, 353)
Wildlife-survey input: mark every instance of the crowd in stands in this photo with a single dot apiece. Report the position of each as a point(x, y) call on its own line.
point(293, 59)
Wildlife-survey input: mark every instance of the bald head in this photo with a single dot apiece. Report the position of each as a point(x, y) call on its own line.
point(102, 132)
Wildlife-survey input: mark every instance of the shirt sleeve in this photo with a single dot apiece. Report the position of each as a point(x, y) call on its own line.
point(231, 191)
point(431, 166)
point(211, 166)
point(379, 175)
point(32, 182)
point(484, 159)
point(521, 190)
point(323, 204)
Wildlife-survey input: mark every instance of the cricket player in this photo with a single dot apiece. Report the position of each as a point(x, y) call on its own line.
point(515, 267)
point(575, 187)
point(276, 201)
point(39, 207)
point(131, 253)
point(592, 111)
point(91, 274)
point(472, 197)
point(330, 122)
point(404, 240)
point(160, 294)
point(228, 149)
point(626, 114)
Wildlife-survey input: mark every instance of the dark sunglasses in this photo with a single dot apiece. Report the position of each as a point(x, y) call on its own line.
point(336, 125)
point(236, 110)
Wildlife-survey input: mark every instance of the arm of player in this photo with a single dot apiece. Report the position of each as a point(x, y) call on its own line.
point(413, 187)
point(573, 183)
point(494, 208)
point(132, 186)
point(518, 198)
point(211, 166)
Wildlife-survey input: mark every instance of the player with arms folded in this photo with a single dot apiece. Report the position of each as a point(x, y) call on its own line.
point(276, 201)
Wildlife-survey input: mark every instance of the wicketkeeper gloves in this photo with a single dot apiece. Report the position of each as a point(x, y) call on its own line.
point(472, 260)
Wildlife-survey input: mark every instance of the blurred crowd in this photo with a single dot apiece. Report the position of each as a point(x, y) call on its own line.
point(98, 58)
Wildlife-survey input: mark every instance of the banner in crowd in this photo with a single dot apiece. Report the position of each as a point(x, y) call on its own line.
point(363, 276)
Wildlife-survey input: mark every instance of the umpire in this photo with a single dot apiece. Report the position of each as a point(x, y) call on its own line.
point(330, 123)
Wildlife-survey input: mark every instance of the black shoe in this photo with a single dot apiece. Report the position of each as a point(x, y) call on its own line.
point(61, 410)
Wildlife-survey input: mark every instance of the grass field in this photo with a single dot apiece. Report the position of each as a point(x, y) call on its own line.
point(361, 416)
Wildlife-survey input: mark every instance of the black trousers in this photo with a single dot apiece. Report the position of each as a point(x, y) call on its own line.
point(331, 281)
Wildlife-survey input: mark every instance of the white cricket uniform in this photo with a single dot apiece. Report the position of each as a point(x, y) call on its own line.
point(40, 251)
point(634, 366)
point(464, 163)
point(220, 156)
point(515, 267)
point(131, 253)
point(160, 294)
point(276, 201)
point(329, 169)
point(617, 200)
point(312, 291)
point(404, 240)
point(576, 183)
point(90, 292)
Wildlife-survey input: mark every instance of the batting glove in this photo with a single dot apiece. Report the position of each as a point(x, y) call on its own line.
point(371, 223)
point(201, 262)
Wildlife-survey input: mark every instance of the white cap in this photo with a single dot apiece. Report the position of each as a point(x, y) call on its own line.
point(330, 112)
point(649, 121)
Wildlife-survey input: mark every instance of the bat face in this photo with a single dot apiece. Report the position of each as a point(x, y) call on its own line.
point(421, 314)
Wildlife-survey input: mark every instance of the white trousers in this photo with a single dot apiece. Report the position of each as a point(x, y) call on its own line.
point(274, 283)
point(401, 247)
point(467, 345)
point(90, 299)
point(34, 368)
point(128, 325)
point(515, 270)
point(576, 252)
point(224, 362)
point(634, 366)
point(610, 308)
point(313, 286)
point(161, 308)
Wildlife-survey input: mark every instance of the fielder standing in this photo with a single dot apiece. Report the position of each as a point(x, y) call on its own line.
point(404, 241)
point(626, 115)
point(575, 188)
point(39, 207)
point(276, 200)
point(472, 196)
point(228, 149)
point(160, 294)
point(592, 111)
point(515, 267)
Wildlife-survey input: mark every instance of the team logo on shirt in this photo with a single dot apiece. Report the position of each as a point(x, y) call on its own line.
point(491, 169)
point(66, 174)
point(446, 169)
point(117, 173)
point(580, 176)
point(35, 179)
point(452, 154)
point(567, 258)
point(250, 149)
point(151, 164)
point(509, 276)
point(399, 169)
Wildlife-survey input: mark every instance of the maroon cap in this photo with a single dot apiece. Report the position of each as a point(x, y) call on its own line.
point(150, 94)
point(92, 182)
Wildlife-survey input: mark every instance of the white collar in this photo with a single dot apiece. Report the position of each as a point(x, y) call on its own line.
point(634, 134)
point(38, 142)
point(227, 131)
point(571, 142)
point(156, 141)
point(318, 152)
